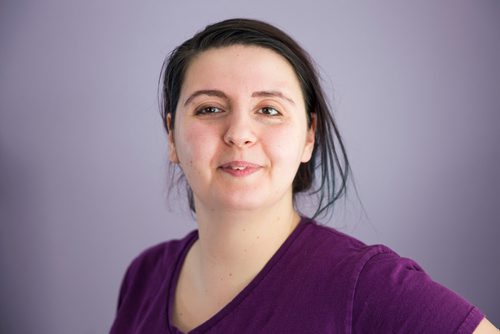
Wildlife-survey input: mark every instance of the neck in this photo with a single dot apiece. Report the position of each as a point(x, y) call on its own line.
point(234, 246)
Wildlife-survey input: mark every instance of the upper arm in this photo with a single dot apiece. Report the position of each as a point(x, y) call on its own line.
point(486, 327)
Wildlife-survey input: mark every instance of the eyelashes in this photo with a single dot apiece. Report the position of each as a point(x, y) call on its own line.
point(213, 110)
point(270, 111)
point(210, 110)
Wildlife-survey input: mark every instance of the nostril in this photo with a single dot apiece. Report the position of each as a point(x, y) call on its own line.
point(239, 139)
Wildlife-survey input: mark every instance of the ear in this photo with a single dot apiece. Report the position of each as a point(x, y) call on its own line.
point(172, 152)
point(310, 140)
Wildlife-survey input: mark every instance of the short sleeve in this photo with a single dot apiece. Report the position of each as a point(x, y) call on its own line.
point(394, 295)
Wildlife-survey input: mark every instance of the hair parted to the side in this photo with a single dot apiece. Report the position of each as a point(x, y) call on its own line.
point(329, 159)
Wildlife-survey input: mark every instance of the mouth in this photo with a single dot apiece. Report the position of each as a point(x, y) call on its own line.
point(239, 168)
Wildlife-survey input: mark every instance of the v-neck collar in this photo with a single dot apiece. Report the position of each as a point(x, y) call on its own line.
point(240, 297)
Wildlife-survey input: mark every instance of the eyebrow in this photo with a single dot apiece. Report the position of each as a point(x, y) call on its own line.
point(218, 93)
point(208, 92)
point(272, 93)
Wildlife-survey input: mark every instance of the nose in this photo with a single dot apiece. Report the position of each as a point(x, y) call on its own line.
point(239, 130)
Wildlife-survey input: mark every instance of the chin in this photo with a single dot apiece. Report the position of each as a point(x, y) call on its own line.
point(239, 205)
point(245, 201)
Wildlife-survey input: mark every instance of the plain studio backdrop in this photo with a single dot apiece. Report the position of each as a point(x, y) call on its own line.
point(83, 156)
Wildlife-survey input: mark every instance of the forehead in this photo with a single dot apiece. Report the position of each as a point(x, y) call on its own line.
point(240, 67)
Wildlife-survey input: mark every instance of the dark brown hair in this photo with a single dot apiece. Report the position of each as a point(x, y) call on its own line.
point(329, 157)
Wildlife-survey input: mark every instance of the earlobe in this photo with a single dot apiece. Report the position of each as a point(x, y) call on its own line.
point(310, 140)
point(172, 152)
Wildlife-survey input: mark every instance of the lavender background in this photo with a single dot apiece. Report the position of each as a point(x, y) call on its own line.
point(83, 154)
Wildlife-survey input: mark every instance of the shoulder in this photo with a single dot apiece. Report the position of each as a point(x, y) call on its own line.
point(330, 260)
point(147, 270)
point(162, 254)
point(385, 292)
point(145, 284)
point(331, 245)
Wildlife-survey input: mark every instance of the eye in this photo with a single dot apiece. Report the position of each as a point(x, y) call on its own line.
point(270, 111)
point(208, 110)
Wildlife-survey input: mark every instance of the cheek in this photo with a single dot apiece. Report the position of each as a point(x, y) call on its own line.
point(286, 145)
point(194, 144)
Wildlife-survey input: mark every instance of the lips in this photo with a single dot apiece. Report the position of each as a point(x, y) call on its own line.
point(239, 168)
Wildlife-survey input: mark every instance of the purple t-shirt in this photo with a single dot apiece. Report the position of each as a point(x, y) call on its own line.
point(319, 281)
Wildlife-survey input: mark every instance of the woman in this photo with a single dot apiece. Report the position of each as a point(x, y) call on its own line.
point(249, 127)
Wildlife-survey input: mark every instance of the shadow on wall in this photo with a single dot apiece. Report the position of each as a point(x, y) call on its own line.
point(22, 278)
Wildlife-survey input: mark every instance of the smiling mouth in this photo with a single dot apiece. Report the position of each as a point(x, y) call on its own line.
point(239, 168)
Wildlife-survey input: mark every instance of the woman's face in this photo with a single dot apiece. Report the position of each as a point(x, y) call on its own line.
point(241, 129)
